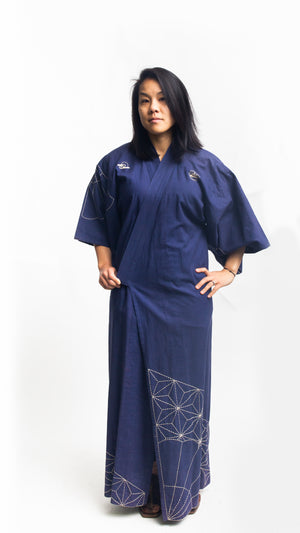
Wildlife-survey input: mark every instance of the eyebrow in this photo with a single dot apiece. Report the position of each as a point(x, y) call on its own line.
point(145, 94)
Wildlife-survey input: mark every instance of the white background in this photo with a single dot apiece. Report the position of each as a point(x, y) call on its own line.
point(70, 67)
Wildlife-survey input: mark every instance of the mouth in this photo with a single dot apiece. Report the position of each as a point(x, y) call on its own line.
point(155, 119)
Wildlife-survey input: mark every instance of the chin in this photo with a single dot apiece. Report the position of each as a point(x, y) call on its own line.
point(158, 131)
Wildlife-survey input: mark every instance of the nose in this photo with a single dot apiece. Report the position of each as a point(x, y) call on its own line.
point(153, 106)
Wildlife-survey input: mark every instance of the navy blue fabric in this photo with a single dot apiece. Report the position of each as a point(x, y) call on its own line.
point(159, 219)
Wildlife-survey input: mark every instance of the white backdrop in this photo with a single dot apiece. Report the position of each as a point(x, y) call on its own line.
point(75, 62)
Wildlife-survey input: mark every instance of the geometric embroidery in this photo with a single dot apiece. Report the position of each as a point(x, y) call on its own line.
point(179, 424)
point(122, 491)
point(205, 470)
point(178, 409)
point(178, 416)
point(125, 493)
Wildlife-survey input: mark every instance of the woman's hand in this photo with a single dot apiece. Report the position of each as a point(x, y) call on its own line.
point(108, 278)
point(213, 280)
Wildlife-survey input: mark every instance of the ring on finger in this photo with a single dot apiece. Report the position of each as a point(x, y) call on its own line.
point(213, 285)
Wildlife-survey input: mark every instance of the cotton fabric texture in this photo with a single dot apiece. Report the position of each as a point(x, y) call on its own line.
point(159, 219)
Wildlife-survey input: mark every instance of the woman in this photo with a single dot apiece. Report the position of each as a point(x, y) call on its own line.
point(153, 209)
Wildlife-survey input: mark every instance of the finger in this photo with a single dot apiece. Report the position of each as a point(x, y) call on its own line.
point(202, 269)
point(213, 291)
point(107, 278)
point(203, 281)
point(118, 282)
point(112, 283)
point(209, 287)
point(103, 285)
point(114, 278)
point(112, 275)
point(107, 283)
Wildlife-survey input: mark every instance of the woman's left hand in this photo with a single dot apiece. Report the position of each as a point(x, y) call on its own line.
point(213, 280)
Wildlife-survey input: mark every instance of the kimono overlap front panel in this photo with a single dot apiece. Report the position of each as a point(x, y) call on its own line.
point(160, 218)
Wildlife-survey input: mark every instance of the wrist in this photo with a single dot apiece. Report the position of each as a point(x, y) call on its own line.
point(104, 265)
point(230, 270)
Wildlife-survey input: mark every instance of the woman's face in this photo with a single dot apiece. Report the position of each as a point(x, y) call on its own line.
point(154, 113)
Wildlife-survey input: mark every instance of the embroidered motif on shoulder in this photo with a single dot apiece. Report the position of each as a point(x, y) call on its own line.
point(193, 175)
point(123, 165)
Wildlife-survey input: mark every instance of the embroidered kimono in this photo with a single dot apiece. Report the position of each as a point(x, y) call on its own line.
point(160, 218)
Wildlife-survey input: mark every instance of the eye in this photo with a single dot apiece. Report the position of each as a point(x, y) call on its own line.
point(143, 101)
point(162, 98)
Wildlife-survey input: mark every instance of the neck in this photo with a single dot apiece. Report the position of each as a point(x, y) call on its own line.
point(161, 142)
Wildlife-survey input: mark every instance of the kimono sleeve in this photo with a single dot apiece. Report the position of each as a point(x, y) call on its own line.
point(92, 226)
point(230, 219)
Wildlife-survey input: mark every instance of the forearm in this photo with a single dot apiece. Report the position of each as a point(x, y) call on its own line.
point(234, 260)
point(103, 256)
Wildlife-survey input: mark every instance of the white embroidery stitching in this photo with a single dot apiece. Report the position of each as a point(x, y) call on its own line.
point(125, 493)
point(178, 415)
point(123, 165)
point(193, 175)
point(121, 491)
point(93, 184)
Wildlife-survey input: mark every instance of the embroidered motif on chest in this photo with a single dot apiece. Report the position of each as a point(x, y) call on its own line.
point(193, 175)
point(123, 165)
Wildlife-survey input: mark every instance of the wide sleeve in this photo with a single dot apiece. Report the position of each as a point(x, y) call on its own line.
point(92, 227)
point(229, 218)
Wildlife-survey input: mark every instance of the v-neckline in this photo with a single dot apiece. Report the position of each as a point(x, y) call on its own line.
point(154, 165)
point(166, 152)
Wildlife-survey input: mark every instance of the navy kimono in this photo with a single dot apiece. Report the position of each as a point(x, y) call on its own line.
point(159, 219)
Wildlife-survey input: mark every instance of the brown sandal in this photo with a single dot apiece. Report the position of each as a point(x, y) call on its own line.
point(152, 508)
point(194, 509)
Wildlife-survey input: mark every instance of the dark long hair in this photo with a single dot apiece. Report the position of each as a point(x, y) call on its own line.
point(184, 131)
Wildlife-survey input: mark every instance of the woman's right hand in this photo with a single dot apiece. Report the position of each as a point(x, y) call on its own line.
point(108, 279)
